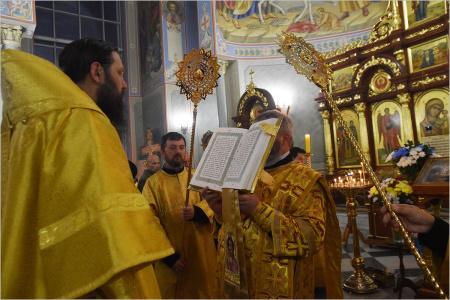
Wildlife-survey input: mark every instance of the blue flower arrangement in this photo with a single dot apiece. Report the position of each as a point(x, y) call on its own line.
point(410, 159)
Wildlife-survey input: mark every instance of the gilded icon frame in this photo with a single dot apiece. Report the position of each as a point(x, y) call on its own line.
point(344, 76)
point(378, 113)
point(345, 156)
point(427, 176)
point(434, 177)
point(438, 8)
point(420, 101)
point(382, 75)
point(436, 50)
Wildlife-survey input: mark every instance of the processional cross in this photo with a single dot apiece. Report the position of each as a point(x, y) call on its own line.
point(197, 77)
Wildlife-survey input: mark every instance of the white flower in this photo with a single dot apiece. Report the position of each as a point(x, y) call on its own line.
point(414, 154)
point(422, 154)
point(385, 183)
point(389, 157)
point(404, 161)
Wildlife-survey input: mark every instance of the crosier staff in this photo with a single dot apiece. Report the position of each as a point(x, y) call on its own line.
point(310, 63)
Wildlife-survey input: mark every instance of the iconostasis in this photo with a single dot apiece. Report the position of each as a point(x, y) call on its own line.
point(393, 89)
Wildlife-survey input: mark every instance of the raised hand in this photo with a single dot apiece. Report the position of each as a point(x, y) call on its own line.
point(214, 199)
point(248, 203)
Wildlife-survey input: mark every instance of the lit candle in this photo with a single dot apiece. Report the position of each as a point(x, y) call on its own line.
point(287, 112)
point(308, 143)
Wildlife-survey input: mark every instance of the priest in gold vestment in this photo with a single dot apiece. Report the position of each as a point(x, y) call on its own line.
point(285, 223)
point(190, 272)
point(73, 223)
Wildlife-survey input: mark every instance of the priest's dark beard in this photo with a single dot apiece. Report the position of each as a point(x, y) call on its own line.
point(110, 101)
point(175, 164)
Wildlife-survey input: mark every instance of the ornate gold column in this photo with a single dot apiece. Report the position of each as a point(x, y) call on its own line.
point(404, 99)
point(400, 56)
point(364, 137)
point(328, 142)
point(11, 36)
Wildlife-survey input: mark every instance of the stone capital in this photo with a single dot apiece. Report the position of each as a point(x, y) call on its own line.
point(223, 66)
point(11, 36)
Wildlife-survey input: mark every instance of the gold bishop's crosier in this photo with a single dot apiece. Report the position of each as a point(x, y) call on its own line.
point(310, 63)
point(197, 77)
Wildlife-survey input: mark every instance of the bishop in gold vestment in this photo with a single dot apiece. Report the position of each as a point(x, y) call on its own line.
point(166, 193)
point(295, 218)
point(284, 224)
point(72, 219)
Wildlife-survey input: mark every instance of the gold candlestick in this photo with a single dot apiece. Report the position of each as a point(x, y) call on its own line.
point(358, 282)
point(308, 159)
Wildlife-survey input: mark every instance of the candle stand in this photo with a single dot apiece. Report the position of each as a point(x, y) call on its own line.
point(358, 282)
point(402, 281)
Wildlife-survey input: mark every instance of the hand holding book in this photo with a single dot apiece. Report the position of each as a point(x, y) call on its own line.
point(247, 202)
point(213, 198)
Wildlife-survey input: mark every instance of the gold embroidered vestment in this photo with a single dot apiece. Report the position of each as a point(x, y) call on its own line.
point(295, 218)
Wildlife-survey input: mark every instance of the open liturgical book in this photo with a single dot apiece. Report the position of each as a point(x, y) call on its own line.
point(235, 157)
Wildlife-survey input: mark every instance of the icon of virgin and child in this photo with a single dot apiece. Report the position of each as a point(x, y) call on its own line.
point(435, 121)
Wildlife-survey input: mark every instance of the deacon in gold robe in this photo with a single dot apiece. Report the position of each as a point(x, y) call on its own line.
point(73, 223)
point(285, 223)
point(190, 272)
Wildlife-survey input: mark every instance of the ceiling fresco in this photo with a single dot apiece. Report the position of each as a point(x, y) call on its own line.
point(248, 29)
